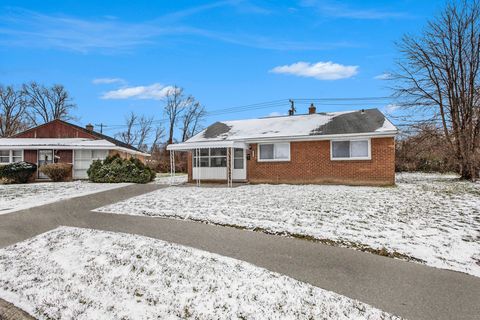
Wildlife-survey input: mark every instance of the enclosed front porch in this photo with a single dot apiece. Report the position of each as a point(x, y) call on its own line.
point(213, 162)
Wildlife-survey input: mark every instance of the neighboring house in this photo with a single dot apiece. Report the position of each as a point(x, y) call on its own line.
point(354, 147)
point(60, 141)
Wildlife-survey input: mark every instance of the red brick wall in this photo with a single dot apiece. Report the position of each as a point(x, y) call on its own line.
point(310, 163)
point(55, 129)
point(125, 155)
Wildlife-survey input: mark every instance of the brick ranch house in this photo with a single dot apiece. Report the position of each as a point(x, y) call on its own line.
point(61, 142)
point(353, 147)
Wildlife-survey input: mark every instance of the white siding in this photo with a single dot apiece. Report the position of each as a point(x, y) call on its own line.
point(219, 173)
point(83, 159)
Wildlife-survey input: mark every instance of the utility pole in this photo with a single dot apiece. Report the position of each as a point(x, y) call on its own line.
point(101, 127)
point(292, 110)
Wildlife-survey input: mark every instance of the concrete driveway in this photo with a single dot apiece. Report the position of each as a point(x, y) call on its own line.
point(410, 290)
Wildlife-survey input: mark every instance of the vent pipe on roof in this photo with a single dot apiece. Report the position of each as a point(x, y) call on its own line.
point(312, 109)
point(363, 111)
point(89, 127)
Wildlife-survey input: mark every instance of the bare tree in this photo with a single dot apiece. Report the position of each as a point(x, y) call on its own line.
point(176, 104)
point(138, 130)
point(128, 135)
point(46, 104)
point(12, 111)
point(143, 132)
point(191, 119)
point(157, 139)
point(439, 72)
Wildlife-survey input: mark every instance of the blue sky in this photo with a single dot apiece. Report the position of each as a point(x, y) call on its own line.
point(116, 56)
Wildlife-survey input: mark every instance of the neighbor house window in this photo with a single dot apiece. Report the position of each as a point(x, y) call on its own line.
point(214, 158)
point(9, 156)
point(351, 150)
point(4, 156)
point(274, 151)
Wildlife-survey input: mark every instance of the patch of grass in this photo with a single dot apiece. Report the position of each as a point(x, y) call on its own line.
point(384, 252)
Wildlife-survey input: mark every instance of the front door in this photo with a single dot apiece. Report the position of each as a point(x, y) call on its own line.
point(239, 171)
point(44, 157)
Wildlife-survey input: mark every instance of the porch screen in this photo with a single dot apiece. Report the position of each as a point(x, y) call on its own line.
point(210, 158)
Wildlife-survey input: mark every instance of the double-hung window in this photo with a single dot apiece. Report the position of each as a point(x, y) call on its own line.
point(350, 149)
point(274, 151)
point(9, 156)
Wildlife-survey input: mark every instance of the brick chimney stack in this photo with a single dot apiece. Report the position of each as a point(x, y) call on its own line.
point(312, 109)
point(89, 127)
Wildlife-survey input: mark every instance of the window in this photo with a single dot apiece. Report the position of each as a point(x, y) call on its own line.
point(274, 151)
point(238, 158)
point(9, 156)
point(17, 155)
point(4, 156)
point(350, 150)
point(214, 158)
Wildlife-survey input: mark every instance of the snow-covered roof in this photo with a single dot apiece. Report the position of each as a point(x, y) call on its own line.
point(61, 143)
point(309, 126)
point(55, 142)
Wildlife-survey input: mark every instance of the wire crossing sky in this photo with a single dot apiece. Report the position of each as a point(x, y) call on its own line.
point(239, 58)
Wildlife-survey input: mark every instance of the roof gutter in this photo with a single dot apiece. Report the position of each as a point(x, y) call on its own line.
point(383, 134)
point(62, 147)
point(240, 143)
point(138, 153)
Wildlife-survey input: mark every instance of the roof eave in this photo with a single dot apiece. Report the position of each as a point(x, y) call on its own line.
point(216, 143)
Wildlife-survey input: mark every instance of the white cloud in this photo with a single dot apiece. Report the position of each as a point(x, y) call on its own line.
point(337, 9)
point(320, 70)
point(154, 91)
point(108, 81)
point(383, 76)
point(391, 108)
point(30, 29)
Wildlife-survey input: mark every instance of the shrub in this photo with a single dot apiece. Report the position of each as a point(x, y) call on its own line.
point(57, 171)
point(17, 172)
point(115, 170)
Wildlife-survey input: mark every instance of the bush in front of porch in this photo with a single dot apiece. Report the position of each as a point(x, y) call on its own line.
point(115, 169)
point(57, 171)
point(17, 172)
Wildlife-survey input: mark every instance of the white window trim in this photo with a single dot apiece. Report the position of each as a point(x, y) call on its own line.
point(10, 156)
point(209, 157)
point(369, 157)
point(274, 160)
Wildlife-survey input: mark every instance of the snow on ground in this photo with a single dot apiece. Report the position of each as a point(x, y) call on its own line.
point(165, 178)
point(72, 273)
point(432, 217)
point(14, 197)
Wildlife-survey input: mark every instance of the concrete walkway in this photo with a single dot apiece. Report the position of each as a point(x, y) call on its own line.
point(406, 289)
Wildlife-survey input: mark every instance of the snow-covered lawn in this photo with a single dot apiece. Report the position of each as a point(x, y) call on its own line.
point(431, 217)
point(72, 273)
point(165, 178)
point(15, 197)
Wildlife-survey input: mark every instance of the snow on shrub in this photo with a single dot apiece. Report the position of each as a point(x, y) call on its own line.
point(57, 171)
point(17, 172)
point(115, 170)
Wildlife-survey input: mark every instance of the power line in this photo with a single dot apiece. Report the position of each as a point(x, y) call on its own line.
point(267, 105)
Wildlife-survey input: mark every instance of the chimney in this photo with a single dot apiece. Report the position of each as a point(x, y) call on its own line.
point(312, 109)
point(89, 127)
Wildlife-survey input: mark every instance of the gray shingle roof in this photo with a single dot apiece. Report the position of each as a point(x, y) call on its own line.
point(332, 123)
